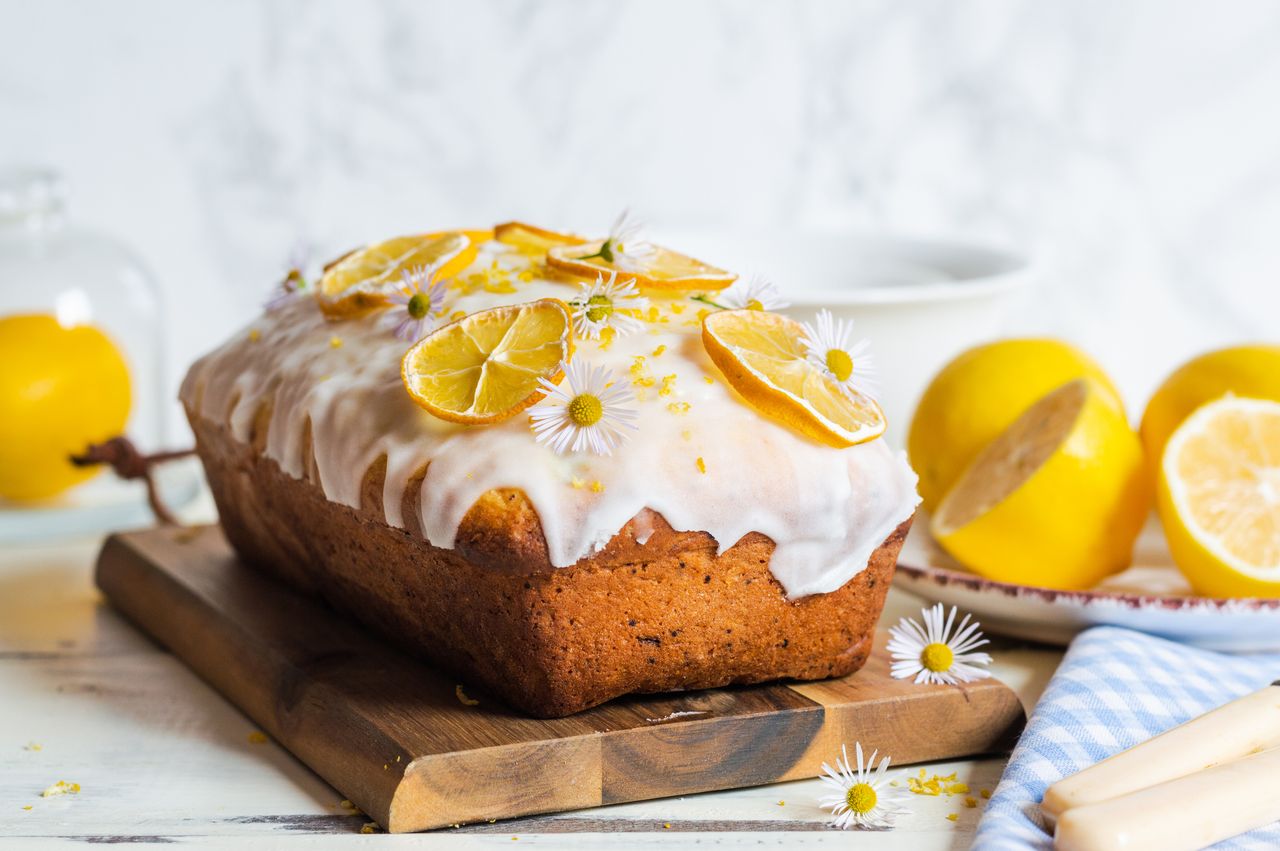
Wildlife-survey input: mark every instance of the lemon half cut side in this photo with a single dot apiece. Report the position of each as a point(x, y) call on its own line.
point(1219, 498)
point(1056, 500)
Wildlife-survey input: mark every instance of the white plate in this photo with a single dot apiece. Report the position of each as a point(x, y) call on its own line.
point(1151, 596)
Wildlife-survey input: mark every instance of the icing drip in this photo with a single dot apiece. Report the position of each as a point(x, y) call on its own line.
point(702, 458)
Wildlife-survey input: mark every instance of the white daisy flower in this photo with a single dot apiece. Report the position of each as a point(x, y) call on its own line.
point(932, 655)
point(829, 347)
point(755, 294)
point(585, 411)
point(623, 247)
point(864, 799)
point(294, 282)
point(416, 302)
point(608, 304)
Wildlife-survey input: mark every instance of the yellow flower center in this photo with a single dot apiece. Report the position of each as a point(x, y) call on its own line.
point(840, 364)
point(419, 305)
point(754, 304)
point(599, 307)
point(861, 798)
point(585, 410)
point(937, 657)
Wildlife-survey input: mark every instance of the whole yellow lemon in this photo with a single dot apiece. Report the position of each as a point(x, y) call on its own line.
point(979, 394)
point(60, 390)
point(1250, 371)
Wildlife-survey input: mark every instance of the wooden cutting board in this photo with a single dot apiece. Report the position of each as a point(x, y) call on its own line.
point(394, 736)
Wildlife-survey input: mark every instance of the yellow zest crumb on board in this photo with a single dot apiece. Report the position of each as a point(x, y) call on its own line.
point(577, 484)
point(386, 765)
point(970, 803)
point(655, 315)
point(397, 758)
point(952, 816)
point(526, 276)
point(668, 385)
point(702, 465)
point(27, 807)
point(346, 805)
point(257, 737)
point(678, 407)
point(62, 787)
point(708, 379)
point(658, 351)
point(677, 307)
point(597, 486)
point(462, 698)
point(335, 342)
point(782, 803)
point(924, 784)
point(607, 336)
point(254, 335)
point(371, 827)
point(986, 793)
point(666, 825)
point(640, 373)
point(33, 746)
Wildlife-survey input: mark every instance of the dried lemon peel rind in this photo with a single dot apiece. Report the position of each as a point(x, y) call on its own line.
point(485, 367)
point(363, 280)
point(761, 355)
point(531, 239)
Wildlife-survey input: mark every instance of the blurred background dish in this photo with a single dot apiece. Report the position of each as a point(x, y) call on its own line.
point(919, 301)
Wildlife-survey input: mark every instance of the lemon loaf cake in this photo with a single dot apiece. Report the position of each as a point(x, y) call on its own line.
point(562, 469)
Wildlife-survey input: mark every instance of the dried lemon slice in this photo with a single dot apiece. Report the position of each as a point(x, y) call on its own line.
point(763, 357)
point(652, 266)
point(485, 367)
point(531, 239)
point(362, 280)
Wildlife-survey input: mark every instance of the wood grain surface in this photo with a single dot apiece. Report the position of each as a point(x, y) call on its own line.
point(394, 737)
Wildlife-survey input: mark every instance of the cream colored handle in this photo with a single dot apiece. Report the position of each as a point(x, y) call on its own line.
point(1190, 812)
point(1242, 727)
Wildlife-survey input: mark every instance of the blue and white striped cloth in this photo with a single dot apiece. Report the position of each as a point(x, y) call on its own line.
point(1115, 688)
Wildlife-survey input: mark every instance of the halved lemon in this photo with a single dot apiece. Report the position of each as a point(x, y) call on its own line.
point(657, 268)
point(362, 280)
point(1056, 500)
point(762, 358)
point(532, 239)
point(485, 367)
point(1219, 498)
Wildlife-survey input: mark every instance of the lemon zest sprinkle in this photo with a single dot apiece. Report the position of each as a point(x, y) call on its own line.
point(462, 698)
point(577, 484)
point(702, 465)
point(607, 336)
point(597, 486)
point(658, 351)
point(62, 787)
point(970, 803)
point(678, 407)
point(254, 335)
point(952, 816)
point(335, 342)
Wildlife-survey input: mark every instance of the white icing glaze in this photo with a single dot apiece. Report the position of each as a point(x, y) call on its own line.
point(826, 509)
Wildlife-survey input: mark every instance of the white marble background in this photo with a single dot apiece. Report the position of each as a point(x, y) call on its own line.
point(1132, 147)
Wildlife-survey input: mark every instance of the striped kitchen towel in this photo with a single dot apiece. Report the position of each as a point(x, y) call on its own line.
point(1114, 689)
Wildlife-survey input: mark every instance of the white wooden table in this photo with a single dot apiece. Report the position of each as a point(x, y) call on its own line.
point(161, 757)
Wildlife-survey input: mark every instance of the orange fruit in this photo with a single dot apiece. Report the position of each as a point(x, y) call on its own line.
point(531, 239)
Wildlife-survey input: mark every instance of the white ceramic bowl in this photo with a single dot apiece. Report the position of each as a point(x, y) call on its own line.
point(920, 302)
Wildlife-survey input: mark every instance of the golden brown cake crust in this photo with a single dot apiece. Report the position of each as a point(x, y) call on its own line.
point(666, 614)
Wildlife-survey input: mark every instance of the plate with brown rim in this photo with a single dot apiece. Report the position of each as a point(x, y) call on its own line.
point(1150, 596)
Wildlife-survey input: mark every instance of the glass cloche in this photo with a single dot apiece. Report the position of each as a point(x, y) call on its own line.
point(82, 339)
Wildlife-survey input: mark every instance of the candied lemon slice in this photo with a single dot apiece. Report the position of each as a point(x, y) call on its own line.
point(362, 280)
point(531, 239)
point(1057, 499)
point(1219, 498)
point(485, 367)
point(763, 358)
point(652, 266)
